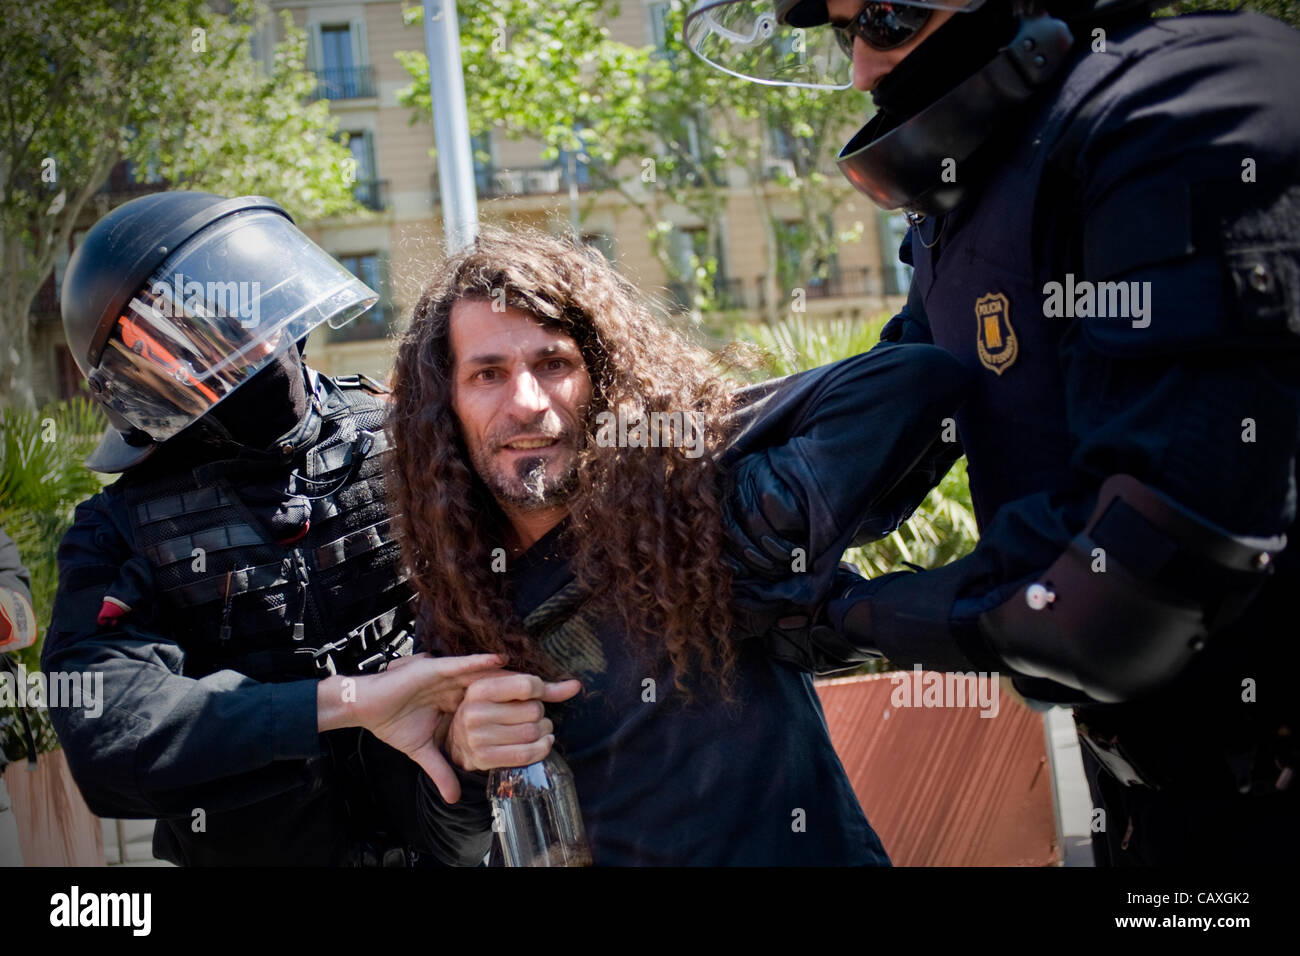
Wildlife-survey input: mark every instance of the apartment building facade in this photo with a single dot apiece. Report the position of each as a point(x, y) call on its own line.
point(352, 47)
point(394, 242)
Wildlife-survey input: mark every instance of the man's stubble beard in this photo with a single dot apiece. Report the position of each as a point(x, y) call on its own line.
point(531, 487)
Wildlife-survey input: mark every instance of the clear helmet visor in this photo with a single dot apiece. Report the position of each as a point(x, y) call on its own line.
point(745, 38)
point(215, 313)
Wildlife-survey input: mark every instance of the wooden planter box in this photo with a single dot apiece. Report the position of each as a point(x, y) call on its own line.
point(943, 786)
point(55, 827)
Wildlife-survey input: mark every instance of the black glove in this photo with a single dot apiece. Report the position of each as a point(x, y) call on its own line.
point(802, 637)
point(764, 523)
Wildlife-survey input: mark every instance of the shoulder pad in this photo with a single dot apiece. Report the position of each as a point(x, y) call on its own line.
point(359, 380)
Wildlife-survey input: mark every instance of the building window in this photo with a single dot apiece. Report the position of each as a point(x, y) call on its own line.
point(484, 162)
point(372, 269)
point(824, 280)
point(898, 274)
point(368, 188)
point(340, 58)
point(688, 244)
point(580, 170)
point(660, 17)
point(71, 381)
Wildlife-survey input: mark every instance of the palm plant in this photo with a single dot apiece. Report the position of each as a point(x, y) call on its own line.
point(42, 479)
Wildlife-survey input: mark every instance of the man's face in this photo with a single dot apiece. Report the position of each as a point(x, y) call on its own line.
point(870, 65)
point(519, 391)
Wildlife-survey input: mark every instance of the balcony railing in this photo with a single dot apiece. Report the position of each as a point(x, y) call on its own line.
point(495, 181)
point(841, 283)
point(727, 293)
point(730, 293)
point(344, 82)
point(371, 193)
point(684, 175)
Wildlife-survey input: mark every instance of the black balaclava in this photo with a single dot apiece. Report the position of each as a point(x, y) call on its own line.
point(241, 432)
point(268, 405)
point(945, 58)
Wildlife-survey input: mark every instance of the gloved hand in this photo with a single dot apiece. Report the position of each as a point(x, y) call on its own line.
point(17, 621)
point(803, 637)
point(764, 523)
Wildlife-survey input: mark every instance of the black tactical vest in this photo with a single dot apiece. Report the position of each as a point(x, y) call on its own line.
point(336, 600)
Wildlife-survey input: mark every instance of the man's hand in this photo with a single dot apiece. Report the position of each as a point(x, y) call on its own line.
point(502, 721)
point(403, 706)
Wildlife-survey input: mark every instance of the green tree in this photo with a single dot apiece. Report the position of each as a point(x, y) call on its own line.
point(1286, 10)
point(659, 126)
point(172, 87)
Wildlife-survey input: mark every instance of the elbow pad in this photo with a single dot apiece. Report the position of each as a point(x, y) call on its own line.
point(1133, 599)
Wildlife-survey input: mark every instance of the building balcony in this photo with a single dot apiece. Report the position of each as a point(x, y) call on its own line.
point(344, 83)
point(684, 175)
point(493, 182)
point(727, 293)
point(841, 283)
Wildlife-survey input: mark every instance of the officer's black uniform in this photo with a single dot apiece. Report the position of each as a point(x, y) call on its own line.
point(212, 595)
point(1203, 404)
point(1165, 163)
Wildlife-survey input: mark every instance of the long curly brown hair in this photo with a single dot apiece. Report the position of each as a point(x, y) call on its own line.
point(644, 527)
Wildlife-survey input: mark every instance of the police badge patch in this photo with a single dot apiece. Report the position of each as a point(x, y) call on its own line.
point(994, 335)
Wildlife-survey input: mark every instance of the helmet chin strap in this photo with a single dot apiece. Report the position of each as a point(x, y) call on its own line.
point(215, 433)
point(899, 162)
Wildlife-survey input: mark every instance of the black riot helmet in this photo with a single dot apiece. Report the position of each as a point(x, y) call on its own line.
point(174, 300)
point(978, 70)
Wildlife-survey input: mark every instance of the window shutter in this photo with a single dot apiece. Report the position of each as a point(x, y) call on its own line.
point(313, 47)
point(360, 47)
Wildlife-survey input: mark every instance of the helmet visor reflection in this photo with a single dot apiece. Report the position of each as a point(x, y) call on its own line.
point(745, 38)
point(216, 313)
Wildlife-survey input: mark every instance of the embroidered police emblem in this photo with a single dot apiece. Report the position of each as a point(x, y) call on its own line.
point(994, 335)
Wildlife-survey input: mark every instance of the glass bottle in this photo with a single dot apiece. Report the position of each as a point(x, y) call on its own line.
point(535, 815)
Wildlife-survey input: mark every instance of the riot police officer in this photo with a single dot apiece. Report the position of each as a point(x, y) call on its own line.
point(1104, 217)
point(240, 588)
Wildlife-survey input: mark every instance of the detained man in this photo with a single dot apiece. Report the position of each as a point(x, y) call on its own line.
point(562, 464)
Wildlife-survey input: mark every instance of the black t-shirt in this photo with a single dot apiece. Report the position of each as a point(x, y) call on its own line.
point(663, 781)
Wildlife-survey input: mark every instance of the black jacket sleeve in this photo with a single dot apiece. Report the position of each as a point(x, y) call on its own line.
point(836, 456)
point(161, 743)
